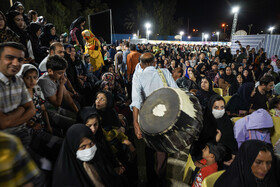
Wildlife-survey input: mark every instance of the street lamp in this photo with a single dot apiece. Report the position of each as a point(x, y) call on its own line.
point(218, 34)
point(271, 29)
point(189, 37)
point(181, 33)
point(206, 36)
point(147, 25)
point(235, 11)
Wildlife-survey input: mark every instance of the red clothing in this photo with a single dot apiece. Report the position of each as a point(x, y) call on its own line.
point(204, 172)
point(132, 61)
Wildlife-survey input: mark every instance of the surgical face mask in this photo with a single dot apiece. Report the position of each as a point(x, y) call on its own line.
point(218, 113)
point(86, 154)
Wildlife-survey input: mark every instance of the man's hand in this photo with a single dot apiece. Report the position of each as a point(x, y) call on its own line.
point(137, 130)
point(62, 80)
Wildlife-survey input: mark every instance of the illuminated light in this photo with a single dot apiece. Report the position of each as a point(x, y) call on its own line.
point(193, 30)
point(223, 25)
point(235, 9)
point(217, 33)
point(181, 33)
point(148, 25)
point(189, 37)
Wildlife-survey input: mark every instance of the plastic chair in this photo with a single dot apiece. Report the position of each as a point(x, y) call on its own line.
point(218, 91)
point(275, 136)
point(189, 168)
point(226, 98)
point(235, 119)
point(210, 180)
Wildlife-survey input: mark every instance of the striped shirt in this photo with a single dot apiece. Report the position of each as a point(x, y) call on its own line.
point(13, 93)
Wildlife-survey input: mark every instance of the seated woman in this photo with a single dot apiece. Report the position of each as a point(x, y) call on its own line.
point(190, 82)
point(239, 104)
point(110, 123)
point(82, 161)
point(205, 92)
point(255, 126)
point(248, 76)
point(48, 35)
point(6, 34)
point(39, 51)
point(236, 84)
point(255, 165)
point(126, 163)
point(226, 80)
point(218, 127)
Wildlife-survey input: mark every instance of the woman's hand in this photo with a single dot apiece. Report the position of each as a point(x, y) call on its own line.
point(218, 136)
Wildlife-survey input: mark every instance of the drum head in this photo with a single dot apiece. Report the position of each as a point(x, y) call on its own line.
point(160, 111)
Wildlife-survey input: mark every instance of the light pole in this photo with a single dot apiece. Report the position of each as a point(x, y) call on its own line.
point(148, 34)
point(206, 36)
point(181, 33)
point(271, 29)
point(147, 25)
point(202, 37)
point(235, 10)
point(218, 34)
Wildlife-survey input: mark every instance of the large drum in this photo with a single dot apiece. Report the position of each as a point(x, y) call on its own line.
point(170, 120)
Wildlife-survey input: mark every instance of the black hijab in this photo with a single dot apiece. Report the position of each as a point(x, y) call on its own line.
point(204, 96)
point(46, 36)
point(23, 35)
point(224, 124)
point(69, 170)
point(109, 117)
point(228, 78)
point(199, 67)
point(77, 22)
point(240, 174)
point(244, 93)
point(33, 28)
point(249, 77)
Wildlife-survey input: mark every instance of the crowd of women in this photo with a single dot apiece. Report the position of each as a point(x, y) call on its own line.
point(99, 150)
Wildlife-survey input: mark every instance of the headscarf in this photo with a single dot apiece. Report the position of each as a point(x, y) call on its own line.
point(12, 25)
point(33, 28)
point(244, 93)
point(109, 77)
point(240, 173)
point(187, 75)
point(249, 78)
point(109, 117)
point(46, 36)
point(6, 34)
point(69, 170)
point(25, 68)
point(228, 78)
point(224, 124)
point(77, 22)
point(199, 67)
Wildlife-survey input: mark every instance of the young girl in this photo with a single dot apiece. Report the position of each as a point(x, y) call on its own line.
point(40, 121)
point(274, 107)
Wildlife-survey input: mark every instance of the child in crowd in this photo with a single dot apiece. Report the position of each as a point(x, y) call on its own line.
point(211, 154)
point(52, 85)
point(274, 107)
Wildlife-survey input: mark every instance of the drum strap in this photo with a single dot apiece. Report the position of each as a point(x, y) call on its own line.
point(162, 77)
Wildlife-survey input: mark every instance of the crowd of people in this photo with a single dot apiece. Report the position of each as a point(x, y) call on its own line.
point(69, 106)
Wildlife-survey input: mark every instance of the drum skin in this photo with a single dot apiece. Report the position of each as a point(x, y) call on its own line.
point(170, 120)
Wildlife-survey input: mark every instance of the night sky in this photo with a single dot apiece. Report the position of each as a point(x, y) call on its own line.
point(207, 15)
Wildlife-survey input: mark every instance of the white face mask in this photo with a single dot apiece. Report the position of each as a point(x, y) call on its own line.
point(218, 113)
point(86, 154)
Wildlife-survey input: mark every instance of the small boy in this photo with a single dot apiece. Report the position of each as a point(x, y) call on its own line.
point(211, 154)
point(52, 85)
